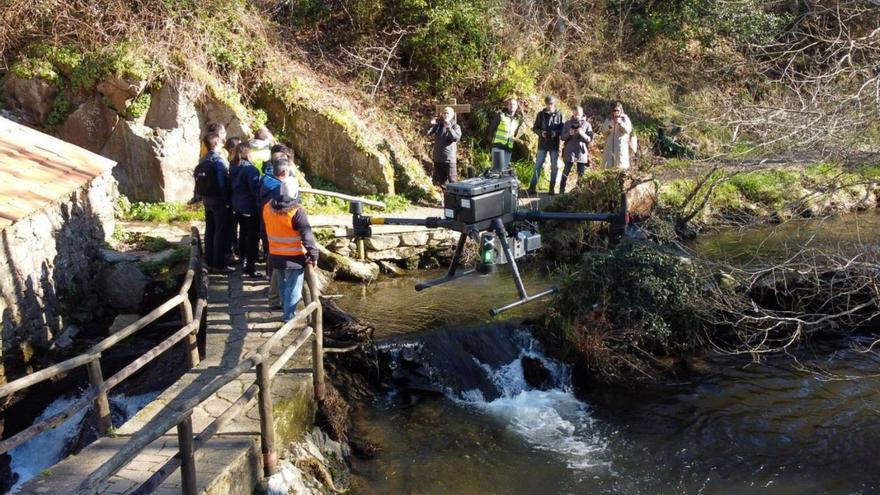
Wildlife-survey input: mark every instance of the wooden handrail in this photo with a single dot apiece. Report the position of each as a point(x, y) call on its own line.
point(162, 424)
point(99, 387)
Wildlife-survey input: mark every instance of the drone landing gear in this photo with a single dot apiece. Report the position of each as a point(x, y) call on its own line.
point(501, 233)
point(453, 265)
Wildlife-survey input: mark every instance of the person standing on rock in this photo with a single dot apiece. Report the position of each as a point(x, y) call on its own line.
point(245, 179)
point(617, 128)
point(548, 127)
point(211, 184)
point(446, 134)
point(577, 133)
point(292, 244)
point(504, 129)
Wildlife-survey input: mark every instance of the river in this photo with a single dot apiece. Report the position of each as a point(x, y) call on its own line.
point(790, 424)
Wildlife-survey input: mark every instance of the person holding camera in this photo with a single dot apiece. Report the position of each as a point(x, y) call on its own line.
point(617, 128)
point(577, 134)
point(446, 134)
point(548, 127)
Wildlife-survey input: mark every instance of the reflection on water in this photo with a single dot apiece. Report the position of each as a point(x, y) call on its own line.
point(772, 427)
point(394, 306)
point(849, 234)
point(767, 428)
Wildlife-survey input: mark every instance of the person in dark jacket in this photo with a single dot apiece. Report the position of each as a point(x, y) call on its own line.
point(211, 184)
point(548, 127)
point(292, 245)
point(578, 134)
point(245, 179)
point(446, 134)
point(231, 148)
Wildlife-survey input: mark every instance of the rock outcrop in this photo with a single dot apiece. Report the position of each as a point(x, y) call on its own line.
point(33, 98)
point(90, 125)
point(337, 138)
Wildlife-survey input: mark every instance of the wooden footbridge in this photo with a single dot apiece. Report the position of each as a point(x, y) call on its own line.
point(216, 429)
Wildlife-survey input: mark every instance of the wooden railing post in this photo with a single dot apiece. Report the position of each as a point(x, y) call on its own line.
point(267, 420)
point(102, 405)
point(187, 459)
point(317, 323)
point(192, 346)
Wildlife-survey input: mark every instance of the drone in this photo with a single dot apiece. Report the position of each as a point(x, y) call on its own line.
point(482, 208)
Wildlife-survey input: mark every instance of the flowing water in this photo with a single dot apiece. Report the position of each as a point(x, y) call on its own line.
point(49, 447)
point(802, 424)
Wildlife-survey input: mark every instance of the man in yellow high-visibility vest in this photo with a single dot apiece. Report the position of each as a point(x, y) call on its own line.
point(504, 130)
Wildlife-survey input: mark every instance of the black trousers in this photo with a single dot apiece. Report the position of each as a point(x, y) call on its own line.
point(217, 225)
point(248, 240)
point(445, 172)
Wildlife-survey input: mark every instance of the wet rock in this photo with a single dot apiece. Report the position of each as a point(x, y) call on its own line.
point(90, 125)
point(65, 339)
point(391, 269)
point(536, 374)
point(161, 256)
point(123, 286)
point(31, 97)
point(382, 242)
point(414, 238)
point(120, 91)
point(346, 268)
point(400, 253)
point(113, 256)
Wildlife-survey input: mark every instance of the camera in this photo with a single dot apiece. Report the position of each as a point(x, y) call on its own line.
point(576, 126)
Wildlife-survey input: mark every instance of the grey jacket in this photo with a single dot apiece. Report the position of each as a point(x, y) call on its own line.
point(576, 149)
point(445, 141)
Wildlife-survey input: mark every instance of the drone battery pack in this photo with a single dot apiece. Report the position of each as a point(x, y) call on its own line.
point(480, 199)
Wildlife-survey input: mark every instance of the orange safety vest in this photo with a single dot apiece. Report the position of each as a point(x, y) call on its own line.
point(284, 240)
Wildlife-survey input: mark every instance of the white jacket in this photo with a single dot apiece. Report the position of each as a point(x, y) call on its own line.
point(617, 144)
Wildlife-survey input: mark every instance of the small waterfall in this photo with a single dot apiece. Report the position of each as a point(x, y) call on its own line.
point(500, 370)
point(44, 450)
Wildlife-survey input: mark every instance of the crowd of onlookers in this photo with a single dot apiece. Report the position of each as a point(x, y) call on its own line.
point(554, 132)
point(251, 195)
point(251, 198)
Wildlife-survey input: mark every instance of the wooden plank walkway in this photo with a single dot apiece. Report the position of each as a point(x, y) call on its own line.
point(230, 463)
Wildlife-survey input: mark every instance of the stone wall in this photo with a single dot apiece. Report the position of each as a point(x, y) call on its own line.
point(48, 264)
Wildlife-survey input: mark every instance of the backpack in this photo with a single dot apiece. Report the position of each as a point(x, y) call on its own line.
point(206, 179)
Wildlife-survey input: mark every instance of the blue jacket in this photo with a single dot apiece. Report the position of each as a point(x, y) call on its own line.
point(270, 188)
point(218, 164)
point(245, 179)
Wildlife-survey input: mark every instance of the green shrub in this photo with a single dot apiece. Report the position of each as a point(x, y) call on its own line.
point(61, 108)
point(160, 212)
point(30, 68)
point(451, 46)
point(616, 311)
point(138, 106)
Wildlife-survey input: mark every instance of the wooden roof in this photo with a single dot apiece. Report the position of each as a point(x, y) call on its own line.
point(37, 169)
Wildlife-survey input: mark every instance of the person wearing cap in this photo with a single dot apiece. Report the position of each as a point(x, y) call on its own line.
point(548, 127)
point(292, 244)
point(282, 168)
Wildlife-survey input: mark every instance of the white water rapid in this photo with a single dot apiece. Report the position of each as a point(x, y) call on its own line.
point(553, 420)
